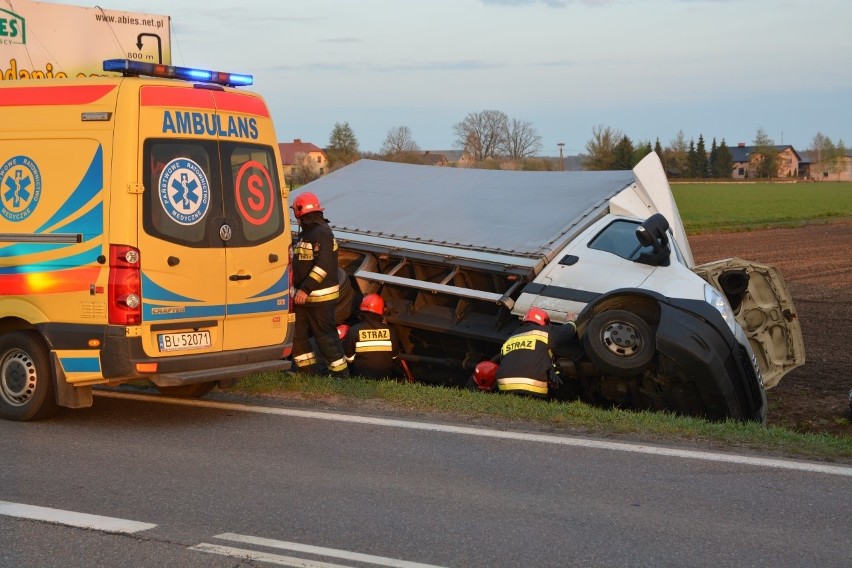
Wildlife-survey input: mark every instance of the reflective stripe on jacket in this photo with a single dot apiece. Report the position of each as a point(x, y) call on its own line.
point(315, 260)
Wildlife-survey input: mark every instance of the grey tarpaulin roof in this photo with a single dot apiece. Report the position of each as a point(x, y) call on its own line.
point(503, 212)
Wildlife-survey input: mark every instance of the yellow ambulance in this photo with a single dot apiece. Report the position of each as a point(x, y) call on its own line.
point(144, 234)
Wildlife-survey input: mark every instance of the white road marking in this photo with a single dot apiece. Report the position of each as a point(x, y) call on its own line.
point(72, 519)
point(810, 467)
point(321, 551)
point(262, 556)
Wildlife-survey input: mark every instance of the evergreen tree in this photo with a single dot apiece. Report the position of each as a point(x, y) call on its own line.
point(701, 163)
point(623, 154)
point(342, 146)
point(711, 164)
point(658, 149)
point(723, 166)
point(692, 167)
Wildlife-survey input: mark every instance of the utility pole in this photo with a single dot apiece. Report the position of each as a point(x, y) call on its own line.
point(561, 158)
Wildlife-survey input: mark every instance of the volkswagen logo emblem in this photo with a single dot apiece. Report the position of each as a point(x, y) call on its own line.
point(225, 232)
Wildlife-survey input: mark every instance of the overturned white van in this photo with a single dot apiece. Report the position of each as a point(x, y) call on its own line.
point(460, 254)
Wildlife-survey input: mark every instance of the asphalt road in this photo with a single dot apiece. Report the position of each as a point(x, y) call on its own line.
point(194, 484)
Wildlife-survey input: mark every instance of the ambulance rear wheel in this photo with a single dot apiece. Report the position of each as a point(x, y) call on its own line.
point(188, 391)
point(26, 380)
point(619, 343)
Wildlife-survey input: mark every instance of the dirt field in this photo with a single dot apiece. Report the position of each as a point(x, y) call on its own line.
point(816, 263)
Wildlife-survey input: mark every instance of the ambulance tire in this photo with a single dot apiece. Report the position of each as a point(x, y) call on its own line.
point(188, 391)
point(619, 343)
point(26, 378)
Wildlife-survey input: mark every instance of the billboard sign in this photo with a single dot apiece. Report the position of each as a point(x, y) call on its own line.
point(42, 41)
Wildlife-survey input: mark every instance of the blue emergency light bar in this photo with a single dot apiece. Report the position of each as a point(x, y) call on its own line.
point(130, 68)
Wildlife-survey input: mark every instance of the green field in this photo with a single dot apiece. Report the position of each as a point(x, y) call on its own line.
point(743, 206)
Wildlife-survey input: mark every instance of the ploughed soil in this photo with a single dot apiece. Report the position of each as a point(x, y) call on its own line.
point(816, 263)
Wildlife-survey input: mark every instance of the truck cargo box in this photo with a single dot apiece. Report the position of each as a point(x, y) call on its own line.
point(459, 255)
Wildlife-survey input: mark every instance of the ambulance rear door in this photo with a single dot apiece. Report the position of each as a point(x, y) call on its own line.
point(182, 256)
point(213, 244)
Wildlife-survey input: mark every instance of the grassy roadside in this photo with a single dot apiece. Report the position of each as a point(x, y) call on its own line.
point(556, 417)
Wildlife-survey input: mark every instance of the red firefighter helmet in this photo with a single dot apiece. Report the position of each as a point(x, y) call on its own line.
point(484, 375)
point(373, 303)
point(537, 316)
point(305, 203)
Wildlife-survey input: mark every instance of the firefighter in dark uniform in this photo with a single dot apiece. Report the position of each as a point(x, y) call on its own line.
point(371, 345)
point(316, 289)
point(526, 365)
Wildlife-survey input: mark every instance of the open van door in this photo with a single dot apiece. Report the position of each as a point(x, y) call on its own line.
point(764, 309)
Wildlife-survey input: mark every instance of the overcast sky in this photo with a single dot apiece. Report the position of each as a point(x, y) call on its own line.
point(649, 68)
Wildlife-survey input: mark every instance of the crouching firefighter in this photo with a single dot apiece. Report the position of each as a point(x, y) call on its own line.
point(526, 358)
point(316, 289)
point(371, 345)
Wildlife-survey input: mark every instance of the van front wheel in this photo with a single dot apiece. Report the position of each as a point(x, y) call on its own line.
point(619, 342)
point(26, 381)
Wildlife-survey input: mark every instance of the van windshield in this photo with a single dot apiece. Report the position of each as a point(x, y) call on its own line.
point(194, 188)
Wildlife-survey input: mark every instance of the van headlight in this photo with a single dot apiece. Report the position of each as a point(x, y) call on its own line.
point(718, 301)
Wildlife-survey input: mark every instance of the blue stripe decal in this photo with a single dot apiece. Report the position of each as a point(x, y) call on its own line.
point(90, 225)
point(153, 291)
point(278, 287)
point(90, 186)
point(76, 261)
point(264, 306)
point(81, 365)
point(194, 312)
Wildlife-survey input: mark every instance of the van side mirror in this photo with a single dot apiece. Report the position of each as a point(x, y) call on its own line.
point(652, 233)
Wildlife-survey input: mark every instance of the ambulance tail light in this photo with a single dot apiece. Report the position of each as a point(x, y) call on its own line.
point(125, 286)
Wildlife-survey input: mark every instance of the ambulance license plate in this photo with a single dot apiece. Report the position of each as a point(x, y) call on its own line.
point(184, 341)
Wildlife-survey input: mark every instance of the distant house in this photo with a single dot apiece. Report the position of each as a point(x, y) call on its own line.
point(836, 169)
point(745, 161)
point(302, 161)
point(435, 158)
point(458, 158)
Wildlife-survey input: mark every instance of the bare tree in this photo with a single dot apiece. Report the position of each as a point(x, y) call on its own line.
point(600, 150)
point(821, 143)
point(677, 155)
point(764, 159)
point(821, 152)
point(399, 141)
point(305, 169)
point(838, 162)
point(482, 134)
point(522, 140)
